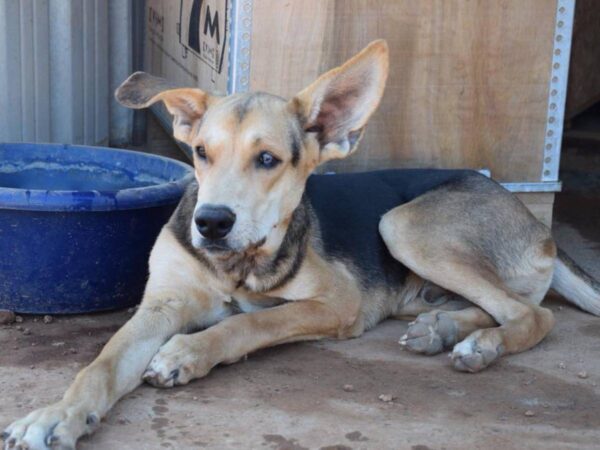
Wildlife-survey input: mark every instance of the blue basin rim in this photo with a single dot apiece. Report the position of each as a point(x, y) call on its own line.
point(163, 192)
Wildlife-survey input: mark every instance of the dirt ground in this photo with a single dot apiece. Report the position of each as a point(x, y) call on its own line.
point(293, 397)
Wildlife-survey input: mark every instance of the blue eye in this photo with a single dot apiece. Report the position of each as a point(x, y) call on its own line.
point(266, 160)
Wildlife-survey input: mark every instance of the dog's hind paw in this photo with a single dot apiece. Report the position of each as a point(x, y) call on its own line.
point(430, 333)
point(477, 351)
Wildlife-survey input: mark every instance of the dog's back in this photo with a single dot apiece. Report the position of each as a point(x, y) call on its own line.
point(349, 207)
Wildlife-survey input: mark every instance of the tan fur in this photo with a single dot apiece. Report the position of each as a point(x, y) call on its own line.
point(459, 298)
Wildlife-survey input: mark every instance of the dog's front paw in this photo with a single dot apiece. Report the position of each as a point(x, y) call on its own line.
point(477, 351)
point(430, 333)
point(176, 363)
point(57, 427)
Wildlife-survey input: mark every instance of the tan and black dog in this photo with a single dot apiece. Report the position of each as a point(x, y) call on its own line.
point(259, 252)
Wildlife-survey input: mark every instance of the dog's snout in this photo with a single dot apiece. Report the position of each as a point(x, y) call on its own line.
point(214, 222)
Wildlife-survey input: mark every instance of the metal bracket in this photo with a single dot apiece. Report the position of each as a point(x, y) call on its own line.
point(540, 186)
point(532, 186)
point(240, 22)
point(557, 91)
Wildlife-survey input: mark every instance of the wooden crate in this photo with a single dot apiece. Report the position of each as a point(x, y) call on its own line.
point(473, 83)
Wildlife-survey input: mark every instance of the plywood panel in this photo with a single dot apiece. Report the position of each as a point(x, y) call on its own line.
point(468, 84)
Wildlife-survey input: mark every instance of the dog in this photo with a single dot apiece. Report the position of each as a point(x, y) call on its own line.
point(260, 252)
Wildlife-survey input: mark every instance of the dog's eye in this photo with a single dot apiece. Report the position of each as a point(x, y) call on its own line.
point(200, 152)
point(266, 160)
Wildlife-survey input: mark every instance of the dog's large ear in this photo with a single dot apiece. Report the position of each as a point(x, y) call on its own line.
point(187, 105)
point(338, 105)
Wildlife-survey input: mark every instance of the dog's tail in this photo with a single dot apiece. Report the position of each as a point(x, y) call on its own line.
point(574, 284)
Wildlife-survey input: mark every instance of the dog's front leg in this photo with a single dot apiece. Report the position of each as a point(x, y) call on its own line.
point(114, 373)
point(325, 302)
point(186, 357)
point(175, 300)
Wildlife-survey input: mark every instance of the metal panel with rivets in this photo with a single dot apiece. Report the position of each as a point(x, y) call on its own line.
point(59, 63)
point(557, 91)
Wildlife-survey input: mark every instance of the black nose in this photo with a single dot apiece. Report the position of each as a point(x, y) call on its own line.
point(214, 222)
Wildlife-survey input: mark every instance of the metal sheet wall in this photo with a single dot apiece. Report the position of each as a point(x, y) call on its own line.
point(60, 61)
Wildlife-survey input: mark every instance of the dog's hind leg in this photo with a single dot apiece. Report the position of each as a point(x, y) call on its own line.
point(433, 332)
point(479, 242)
point(439, 318)
point(420, 296)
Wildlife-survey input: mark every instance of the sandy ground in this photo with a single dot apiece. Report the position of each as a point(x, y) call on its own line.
point(292, 397)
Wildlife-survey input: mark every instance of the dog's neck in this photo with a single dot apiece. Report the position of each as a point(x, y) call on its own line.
point(254, 269)
point(259, 271)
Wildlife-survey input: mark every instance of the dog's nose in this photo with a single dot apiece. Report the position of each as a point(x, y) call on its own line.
point(214, 222)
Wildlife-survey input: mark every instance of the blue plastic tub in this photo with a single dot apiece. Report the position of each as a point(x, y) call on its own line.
point(77, 224)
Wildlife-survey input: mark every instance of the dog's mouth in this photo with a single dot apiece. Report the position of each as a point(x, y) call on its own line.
point(215, 246)
point(221, 247)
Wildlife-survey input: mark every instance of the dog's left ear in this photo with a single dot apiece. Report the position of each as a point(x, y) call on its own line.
point(187, 105)
point(338, 105)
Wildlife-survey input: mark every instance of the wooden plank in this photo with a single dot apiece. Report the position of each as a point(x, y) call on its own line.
point(541, 205)
point(584, 70)
point(468, 80)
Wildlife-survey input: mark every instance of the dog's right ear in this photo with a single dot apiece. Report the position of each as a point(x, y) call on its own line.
point(338, 105)
point(187, 105)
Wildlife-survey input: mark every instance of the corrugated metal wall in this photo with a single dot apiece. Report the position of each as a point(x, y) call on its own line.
point(60, 61)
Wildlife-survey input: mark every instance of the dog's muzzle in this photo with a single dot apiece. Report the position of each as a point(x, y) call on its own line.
point(214, 222)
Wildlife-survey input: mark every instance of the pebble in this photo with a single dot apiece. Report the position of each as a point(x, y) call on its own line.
point(6, 317)
point(529, 413)
point(386, 398)
point(48, 319)
point(582, 374)
point(561, 365)
point(19, 328)
point(348, 388)
point(27, 331)
point(18, 319)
